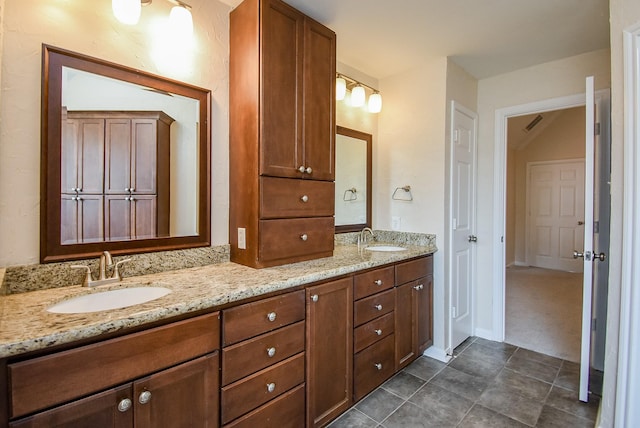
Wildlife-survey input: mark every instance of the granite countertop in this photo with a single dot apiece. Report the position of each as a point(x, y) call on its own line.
point(25, 325)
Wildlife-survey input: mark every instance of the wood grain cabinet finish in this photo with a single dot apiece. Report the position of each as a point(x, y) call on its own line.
point(373, 366)
point(161, 384)
point(369, 333)
point(414, 313)
point(282, 130)
point(364, 310)
point(329, 350)
point(117, 162)
point(372, 282)
point(285, 411)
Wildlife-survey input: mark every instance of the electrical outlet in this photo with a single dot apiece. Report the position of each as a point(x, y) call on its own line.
point(242, 238)
point(395, 223)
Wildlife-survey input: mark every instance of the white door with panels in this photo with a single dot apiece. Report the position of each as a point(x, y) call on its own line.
point(463, 222)
point(555, 208)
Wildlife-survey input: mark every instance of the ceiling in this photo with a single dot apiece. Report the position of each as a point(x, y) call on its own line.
point(488, 37)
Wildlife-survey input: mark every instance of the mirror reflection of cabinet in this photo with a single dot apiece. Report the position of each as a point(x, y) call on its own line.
point(115, 175)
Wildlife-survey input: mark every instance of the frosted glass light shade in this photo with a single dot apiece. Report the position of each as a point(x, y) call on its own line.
point(357, 96)
point(375, 103)
point(341, 88)
point(127, 11)
point(181, 21)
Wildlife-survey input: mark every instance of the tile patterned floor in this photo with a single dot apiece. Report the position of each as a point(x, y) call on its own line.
point(486, 384)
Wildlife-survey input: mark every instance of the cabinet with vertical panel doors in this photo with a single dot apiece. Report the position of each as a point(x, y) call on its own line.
point(164, 376)
point(282, 135)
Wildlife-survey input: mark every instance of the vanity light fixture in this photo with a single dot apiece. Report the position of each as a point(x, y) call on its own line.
point(358, 93)
point(358, 96)
point(180, 19)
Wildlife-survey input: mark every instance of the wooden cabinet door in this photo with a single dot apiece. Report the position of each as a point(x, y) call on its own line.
point(82, 152)
point(117, 174)
point(81, 218)
point(182, 396)
point(98, 410)
point(329, 350)
point(319, 100)
point(424, 316)
point(144, 154)
point(117, 221)
point(405, 325)
point(281, 122)
point(144, 217)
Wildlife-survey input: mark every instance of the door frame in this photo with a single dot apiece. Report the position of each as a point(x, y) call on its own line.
point(500, 191)
point(527, 221)
point(455, 105)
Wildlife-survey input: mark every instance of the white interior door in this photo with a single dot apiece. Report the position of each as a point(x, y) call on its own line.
point(555, 207)
point(587, 252)
point(463, 222)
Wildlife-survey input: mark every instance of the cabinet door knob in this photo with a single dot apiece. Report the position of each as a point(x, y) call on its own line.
point(378, 366)
point(271, 316)
point(314, 298)
point(78, 198)
point(304, 198)
point(304, 237)
point(126, 189)
point(144, 397)
point(378, 307)
point(124, 405)
point(271, 387)
point(301, 168)
point(378, 282)
point(378, 332)
point(271, 352)
point(308, 170)
point(418, 287)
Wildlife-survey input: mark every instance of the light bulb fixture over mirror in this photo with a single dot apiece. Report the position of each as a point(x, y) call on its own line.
point(358, 93)
point(180, 19)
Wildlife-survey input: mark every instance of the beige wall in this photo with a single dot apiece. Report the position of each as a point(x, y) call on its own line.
point(89, 27)
point(541, 82)
point(562, 139)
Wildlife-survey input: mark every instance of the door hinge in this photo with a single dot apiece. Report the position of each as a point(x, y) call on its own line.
point(596, 227)
point(593, 324)
point(596, 129)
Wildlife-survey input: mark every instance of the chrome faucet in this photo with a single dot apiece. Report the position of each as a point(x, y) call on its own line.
point(362, 238)
point(106, 261)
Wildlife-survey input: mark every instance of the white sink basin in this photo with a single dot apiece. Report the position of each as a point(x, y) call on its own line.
point(112, 299)
point(385, 248)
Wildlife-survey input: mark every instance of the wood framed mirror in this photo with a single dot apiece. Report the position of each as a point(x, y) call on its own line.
point(353, 180)
point(125, 160)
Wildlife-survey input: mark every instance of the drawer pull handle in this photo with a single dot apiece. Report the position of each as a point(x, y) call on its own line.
point(144, 397)
point(304, 237)
point(314, 298)
point(271, 316)
point(271, 352)
point(378, 366)
point(271, 387)
point(378, 332)
point(304, 198)
point(378, 282)
point(419, 287)
point(124, 405)
point(378, 307)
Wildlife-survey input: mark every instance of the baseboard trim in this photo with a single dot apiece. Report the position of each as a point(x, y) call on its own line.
point(437, 353)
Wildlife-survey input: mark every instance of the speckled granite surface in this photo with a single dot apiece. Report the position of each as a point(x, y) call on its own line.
point(20, 279)
point(25, 325)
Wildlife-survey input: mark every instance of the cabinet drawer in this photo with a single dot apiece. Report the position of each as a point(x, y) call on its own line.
point(287, 198)
point(46, 381)
point(368, 283)
point(255, 390)
point(296, 237)
point(252, 319)
point(286, 411)
point(372, 366)
point(414, 269)
point(366, 309)
point(255, 354)
point(371, 332)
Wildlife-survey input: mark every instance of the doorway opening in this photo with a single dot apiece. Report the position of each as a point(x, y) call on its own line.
point(544, 224)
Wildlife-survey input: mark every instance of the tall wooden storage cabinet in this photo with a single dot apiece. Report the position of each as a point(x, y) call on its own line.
point(282, 135)
point(115, 175)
